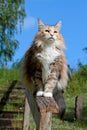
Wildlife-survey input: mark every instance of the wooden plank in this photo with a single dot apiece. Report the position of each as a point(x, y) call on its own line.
point(47, 106)
point(45, 121)
point(9, 128)
point(16, 97)
point(13, 91)
point(8, 121)
point(79, 107)
point(42, 109)
point(41, 105)
point(34, 108)
point(11, 112)
point(26, 116)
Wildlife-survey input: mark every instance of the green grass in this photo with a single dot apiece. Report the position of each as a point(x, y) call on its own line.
point(8, 75)
point(76, 86)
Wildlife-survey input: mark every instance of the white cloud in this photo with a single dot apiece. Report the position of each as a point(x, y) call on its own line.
point(29, 22)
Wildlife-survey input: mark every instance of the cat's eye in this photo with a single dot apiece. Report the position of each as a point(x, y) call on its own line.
point(47, 30)
point(55, 31)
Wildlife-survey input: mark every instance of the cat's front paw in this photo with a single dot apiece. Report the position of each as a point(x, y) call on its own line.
point(47, 94)
point(39, 93)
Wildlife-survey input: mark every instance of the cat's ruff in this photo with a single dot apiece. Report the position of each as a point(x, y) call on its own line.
point(49, 54)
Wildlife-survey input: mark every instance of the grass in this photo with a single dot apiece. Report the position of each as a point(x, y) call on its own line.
point(8, 75)
point(76, 86)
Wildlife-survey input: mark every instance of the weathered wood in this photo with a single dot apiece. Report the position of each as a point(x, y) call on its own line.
point(8, 122)
point(45, 121)
point(78, 107)
point(46, 106)
point(42, 109)
point(13, 91)
point(34, 108)
point(9, 128)
point(8, 114)
point(26, 116)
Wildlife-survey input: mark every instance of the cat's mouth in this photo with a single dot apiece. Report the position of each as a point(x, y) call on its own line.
point(51, 39)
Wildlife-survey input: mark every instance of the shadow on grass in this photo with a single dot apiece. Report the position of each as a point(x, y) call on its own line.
point(70, 115)
point(84, 116)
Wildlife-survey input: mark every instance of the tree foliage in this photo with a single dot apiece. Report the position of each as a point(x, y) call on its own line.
point(12, 13)
point(78, 82)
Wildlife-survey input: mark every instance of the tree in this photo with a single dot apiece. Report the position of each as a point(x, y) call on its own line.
point(12, 13)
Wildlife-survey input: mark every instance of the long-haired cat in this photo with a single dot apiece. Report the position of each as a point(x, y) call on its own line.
point(44, 65)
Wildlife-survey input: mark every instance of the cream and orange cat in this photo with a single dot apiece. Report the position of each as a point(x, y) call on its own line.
point(44, 65)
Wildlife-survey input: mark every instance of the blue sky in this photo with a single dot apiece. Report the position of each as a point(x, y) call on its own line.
point(73, 14)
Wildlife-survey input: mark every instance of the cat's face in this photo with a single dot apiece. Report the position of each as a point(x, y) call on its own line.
point(49, 33)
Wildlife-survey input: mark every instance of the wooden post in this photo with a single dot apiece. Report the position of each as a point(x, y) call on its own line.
point(26, 115)
point(45, 121)
point(42, 109)
point(46, 107)
point(78, 107)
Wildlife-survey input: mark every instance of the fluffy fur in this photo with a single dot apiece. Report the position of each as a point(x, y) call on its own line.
point(44, 65)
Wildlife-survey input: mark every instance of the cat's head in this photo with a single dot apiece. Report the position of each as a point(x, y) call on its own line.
point(50, 34)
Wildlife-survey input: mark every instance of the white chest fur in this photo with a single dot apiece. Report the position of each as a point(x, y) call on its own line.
point(46, 57)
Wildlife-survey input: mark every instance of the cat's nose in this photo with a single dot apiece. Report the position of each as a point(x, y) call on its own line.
point(51, 34)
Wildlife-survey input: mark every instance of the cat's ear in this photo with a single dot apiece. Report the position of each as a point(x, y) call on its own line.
point(58, 25)
point(40, 24)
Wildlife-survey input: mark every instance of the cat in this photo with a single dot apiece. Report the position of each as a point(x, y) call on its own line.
point(44, 65)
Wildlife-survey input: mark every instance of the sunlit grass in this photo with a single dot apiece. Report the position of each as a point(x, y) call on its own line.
point(8, 75)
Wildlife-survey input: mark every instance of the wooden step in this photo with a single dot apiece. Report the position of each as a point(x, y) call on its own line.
point(13, 97)
point(8, 121)
point(22, 91)
point(9, 114)
point(9, 128)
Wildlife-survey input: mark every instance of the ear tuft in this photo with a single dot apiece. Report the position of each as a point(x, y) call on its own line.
point(59, 25)
point(40, 24)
